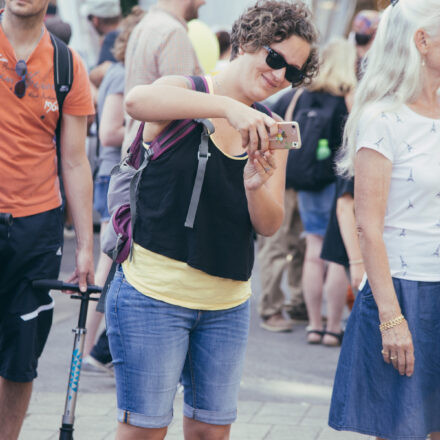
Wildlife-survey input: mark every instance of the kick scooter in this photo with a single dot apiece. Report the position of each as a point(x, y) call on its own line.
point(66, 430)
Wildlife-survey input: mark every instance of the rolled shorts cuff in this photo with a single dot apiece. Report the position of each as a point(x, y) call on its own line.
point(19, 378)
point(210, 417)
point(143, 421)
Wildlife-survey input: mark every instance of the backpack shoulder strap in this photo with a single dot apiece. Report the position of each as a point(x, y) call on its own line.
point(199, 83)
point(63, 79)
point(288, 116)
point(262, 108)
point(178, 129)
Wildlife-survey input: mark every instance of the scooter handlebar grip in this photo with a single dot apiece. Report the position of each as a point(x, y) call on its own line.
point(61, 285)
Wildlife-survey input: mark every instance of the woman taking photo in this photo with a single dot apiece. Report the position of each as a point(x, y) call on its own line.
point(179, 308)
point(388, 378)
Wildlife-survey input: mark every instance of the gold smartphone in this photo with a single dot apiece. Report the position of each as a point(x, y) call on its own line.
point(288, 137)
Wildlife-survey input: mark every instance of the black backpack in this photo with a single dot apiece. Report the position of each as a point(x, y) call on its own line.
point(320, 116)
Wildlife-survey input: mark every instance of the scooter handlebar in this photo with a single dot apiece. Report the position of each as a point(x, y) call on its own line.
point(61, 285)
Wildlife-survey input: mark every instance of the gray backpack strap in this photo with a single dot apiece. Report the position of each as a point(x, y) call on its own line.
point(203, 156)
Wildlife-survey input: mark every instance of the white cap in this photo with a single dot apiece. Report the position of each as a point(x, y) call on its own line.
point(101, 8)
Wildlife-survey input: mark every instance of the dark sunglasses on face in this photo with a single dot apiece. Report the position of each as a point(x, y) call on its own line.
point(276, 61)
point(20, 86)
point(362, 39)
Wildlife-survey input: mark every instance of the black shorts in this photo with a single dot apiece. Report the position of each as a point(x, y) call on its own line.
point(30, 249)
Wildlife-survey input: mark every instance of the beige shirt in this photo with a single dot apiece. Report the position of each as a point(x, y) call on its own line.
point(158, 46)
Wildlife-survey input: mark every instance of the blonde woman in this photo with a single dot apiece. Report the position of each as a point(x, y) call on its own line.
point(388, 378)
point(335, 81)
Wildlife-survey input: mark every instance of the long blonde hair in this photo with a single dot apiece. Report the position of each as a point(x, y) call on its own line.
point(337, 71)
point(392, 68)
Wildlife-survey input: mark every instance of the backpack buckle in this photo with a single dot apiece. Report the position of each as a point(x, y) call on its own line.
point(201, 155)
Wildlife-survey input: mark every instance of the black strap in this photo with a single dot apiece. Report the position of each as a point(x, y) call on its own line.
point(101, 303)
point(63, 79)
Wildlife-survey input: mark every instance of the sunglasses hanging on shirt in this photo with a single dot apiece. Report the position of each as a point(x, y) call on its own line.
point(20, 85)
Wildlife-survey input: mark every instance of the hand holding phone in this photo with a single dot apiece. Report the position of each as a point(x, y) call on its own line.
point(288, 137)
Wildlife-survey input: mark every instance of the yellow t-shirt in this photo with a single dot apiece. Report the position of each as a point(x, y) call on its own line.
point(175, 282)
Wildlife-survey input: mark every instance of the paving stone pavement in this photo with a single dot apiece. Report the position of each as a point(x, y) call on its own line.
point(273, 406)
point(96, 420)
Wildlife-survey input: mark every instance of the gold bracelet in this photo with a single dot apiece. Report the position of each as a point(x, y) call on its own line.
point(391, 323)
point(353, 262)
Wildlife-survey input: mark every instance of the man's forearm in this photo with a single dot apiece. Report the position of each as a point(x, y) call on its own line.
point(78, 186)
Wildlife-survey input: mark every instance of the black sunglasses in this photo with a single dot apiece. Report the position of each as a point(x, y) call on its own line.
point(20, 86)
point(362, 39)
point(276, 61)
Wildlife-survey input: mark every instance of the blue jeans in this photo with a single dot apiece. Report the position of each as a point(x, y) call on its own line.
point(154, 344)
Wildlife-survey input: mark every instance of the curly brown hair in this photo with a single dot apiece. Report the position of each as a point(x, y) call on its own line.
point(270, 21)
point(127, 25)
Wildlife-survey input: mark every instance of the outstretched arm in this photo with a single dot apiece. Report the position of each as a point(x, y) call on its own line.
point(170, 98)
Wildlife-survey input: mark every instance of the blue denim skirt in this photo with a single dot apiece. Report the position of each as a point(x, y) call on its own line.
point(370, 396)
point(315, 208)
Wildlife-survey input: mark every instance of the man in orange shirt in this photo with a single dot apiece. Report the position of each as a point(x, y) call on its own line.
point(29, 190)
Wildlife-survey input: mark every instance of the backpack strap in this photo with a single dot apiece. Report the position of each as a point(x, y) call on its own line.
point(63, 79)
point(262, 108)
point(203, 156)
point(288, 116)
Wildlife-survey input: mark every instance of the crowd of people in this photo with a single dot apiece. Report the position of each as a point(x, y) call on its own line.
point(354, 214)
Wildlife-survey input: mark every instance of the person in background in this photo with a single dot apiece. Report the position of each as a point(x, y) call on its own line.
point(336, 80)
point(363, 31)
point(180, 307)
point(162, 36)
point(111, 134)
point(341, 242)
point(387, 382)
point(105, 17)
point(31, 248)
point(58, 27)
point(282, 251)
point(224, 42)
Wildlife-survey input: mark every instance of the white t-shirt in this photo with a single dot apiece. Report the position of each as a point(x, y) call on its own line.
point(412, 220)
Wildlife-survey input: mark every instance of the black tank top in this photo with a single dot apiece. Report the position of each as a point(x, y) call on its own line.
point(221, 241)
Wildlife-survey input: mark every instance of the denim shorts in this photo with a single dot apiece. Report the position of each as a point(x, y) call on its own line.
point(315, 208)
point(155, 344)
point(100, 197)
point(370, 396)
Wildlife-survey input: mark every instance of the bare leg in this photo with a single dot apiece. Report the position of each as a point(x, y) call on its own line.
point(435, 435)
point(14, 401)
point(94, 318)
point(313, 280)
point(336, 289)
point(195, 430)
point(129, 432)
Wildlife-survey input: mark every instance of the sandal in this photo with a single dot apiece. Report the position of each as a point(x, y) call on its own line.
point(315, 332)
point(337, 336)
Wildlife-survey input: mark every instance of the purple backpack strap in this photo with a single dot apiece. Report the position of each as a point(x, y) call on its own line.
point(177, 130)
point(262, 108)
point(134, 159)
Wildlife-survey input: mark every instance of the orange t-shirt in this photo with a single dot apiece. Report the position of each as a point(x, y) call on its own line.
point(28, 162)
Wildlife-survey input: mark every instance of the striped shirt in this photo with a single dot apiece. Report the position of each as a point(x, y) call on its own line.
point(158, 46)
